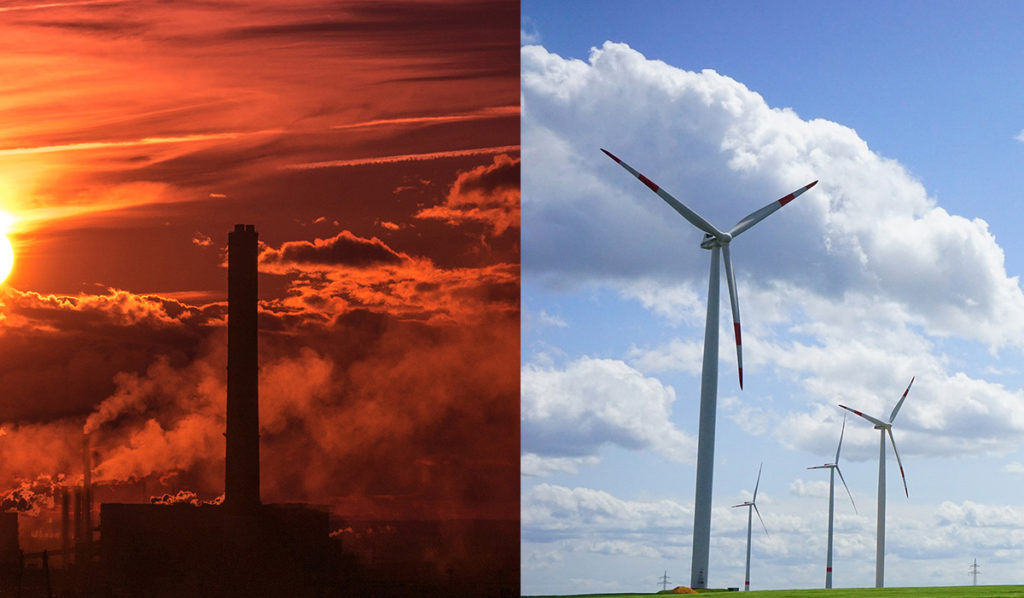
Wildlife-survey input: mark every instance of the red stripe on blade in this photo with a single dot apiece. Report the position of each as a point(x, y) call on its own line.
point(648, 182)
point(785, 200)
point(736, 328)
point(611, 155)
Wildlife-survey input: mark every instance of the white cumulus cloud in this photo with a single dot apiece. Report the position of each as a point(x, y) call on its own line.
point(868, 229)
point(572, 412)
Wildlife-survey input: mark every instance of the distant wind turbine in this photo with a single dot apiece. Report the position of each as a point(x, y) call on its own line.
point(718, 242)
point(832, 469)
point(751, 506)
point(884, 427)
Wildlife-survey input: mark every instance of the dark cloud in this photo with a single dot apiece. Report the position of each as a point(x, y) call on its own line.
point(95, 27)
point(61, 354)
point(487, 194)
point(501, 176)
point(344, 249)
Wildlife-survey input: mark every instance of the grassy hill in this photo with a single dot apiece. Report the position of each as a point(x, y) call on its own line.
point(947, 592)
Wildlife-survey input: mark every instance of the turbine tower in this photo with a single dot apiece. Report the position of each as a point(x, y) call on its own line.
point(718, 242)
point(751, 506)
point(884, 427)
point(833, 468)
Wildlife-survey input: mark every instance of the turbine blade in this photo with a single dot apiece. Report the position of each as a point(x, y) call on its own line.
point(758, 483)
point(896, 409)
point(735, 301)
point(873, 420)
point(759, 215)
point(847, 488)
point(759, 518)
point(898, 462)
point(820, 467)
point(694, 218)
point(841, 432)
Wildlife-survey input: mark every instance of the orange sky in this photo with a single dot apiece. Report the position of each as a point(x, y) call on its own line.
point(375, 147)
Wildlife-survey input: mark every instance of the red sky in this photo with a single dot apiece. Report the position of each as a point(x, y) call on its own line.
point(375, 147)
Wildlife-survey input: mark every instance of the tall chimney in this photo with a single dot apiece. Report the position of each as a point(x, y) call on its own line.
point(242, 467)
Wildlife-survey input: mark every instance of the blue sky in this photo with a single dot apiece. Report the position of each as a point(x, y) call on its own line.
point(903, 261)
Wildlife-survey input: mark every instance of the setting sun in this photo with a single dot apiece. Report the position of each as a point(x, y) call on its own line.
point(6, 258)
point(6, 249)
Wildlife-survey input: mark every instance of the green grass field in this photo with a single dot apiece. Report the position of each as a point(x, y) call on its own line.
point(949, 592)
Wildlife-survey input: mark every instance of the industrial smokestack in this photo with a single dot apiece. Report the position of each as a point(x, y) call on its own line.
point(77, 500)
point(65, 524)
point(242, 467)
point(86, 490)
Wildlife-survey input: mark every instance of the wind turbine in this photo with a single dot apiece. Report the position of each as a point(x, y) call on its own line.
point(718, 242)
point(833, 468)
point(884, 427)
point(751, 506)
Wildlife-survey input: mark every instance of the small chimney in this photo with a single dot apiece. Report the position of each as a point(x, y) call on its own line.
point(242, 466)
point(65, 523)
point(86, 490)
point(77, 501)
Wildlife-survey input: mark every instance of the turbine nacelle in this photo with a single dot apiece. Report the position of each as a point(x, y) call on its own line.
point(710, 241)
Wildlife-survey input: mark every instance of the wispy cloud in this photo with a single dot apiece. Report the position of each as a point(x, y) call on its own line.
point(91, 145)
point(54, 5)
point(480, 151)
point(483, 113)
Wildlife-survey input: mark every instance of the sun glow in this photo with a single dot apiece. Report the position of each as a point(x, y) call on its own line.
point(6, 250)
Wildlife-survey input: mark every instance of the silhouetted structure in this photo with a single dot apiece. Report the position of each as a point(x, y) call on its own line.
point(10, 555)
point(8, 539)
point(240, 548)
point(212, 550)
point(242, 465)
point(86, 532)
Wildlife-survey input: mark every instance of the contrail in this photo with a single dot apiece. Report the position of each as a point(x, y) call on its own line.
point(90, 145)
point(55, 5)
point(489, 112)
point(404, 158)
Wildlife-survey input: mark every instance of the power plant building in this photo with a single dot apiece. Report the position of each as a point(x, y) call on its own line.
point(241, 547)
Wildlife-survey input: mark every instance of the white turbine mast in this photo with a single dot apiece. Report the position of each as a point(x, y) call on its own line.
point(884, 428)
point(751, 506)
point(833, 468)
point(718, 242)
